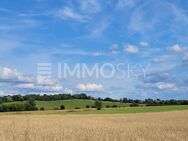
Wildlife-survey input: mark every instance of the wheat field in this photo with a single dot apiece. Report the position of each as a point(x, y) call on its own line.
point(164, 126)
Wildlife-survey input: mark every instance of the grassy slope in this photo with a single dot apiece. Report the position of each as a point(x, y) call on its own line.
point(71, 104)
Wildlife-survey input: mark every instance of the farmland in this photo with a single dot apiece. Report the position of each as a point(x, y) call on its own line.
point(169, 126)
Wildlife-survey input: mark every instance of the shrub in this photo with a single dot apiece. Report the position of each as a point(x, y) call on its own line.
point(114, 106)
point(93, 107)
point(134, 105)
point(87, 106)
point(107, 106)
point(98, 104)
point(30, 105)
point(77, 107)
point(42, 108)
point(62, 107)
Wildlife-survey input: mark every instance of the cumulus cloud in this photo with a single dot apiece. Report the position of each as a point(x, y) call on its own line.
point(131, 49)
point(15, 80)
point(176, 48)
point(90, 87)
point(7, 74)
point(165, 86)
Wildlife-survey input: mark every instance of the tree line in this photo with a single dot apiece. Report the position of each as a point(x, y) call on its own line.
point(45, 97)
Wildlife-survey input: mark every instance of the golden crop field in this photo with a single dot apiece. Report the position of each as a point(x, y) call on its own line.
point(164, 126)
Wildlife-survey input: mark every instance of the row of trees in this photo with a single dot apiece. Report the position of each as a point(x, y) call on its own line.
point(155, 102)
point(45, 97)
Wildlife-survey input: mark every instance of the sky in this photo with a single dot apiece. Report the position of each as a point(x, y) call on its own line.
point(143, 44)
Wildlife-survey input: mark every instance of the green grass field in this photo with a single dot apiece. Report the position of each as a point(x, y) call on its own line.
point(135, 109)
point(72, 104)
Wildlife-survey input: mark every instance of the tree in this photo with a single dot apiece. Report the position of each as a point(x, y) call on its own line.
point(17, 98)
point(98, 104)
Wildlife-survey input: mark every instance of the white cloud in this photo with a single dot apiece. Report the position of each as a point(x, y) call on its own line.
point(90, 6)
point(131, 49)
point(176, 48)
point(68, 91)
point(54, 87)
point(45, 80)
point(69, 13)
point(15, 80)
point(144, 44)
point(8, 74)
point(164, 86)
point(165, 58)
point(90, 87)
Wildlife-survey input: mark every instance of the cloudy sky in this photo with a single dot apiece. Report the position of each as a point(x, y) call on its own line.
point(136, 34)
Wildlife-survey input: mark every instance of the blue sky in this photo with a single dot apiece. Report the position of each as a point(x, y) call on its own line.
point(150, 33)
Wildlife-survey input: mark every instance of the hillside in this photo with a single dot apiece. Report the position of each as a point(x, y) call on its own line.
point(72, 104)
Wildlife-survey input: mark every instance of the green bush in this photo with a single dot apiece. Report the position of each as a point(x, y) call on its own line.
point(87, 106)
point(42, 108)
point(134, 105)
point(107, 106)
point(62, 107)
point(93, 107)
point(114, 106)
